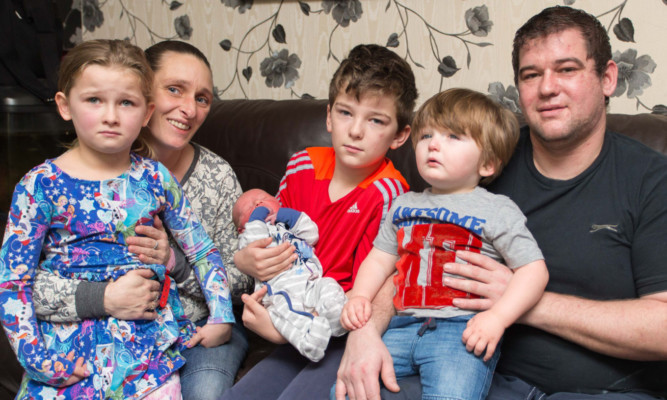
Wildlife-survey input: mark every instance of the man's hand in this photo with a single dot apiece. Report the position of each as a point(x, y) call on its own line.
point(365, 358)
point(487, 278)
point(483, 332)
point(80, 373)
point(256, 317)
point(264, 263)
point(211, 335)
point(356, 313)
point(153, 246)
point(132, 295)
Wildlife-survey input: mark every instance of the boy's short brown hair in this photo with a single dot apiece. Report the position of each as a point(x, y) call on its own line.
point(370, 68)
point(466, 112)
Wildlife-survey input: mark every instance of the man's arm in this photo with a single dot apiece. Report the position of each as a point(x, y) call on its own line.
point(633, 329)
point(366, 357)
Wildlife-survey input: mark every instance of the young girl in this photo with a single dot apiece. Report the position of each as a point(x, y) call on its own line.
point(105, 89)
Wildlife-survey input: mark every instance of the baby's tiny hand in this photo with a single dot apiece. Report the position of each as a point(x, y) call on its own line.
point(356, 313)
point(211, 335)
point(484, 331)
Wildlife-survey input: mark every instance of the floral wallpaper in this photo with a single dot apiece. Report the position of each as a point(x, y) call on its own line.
point(282, 49)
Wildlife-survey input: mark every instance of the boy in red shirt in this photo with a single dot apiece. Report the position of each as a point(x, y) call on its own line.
point(346, 190)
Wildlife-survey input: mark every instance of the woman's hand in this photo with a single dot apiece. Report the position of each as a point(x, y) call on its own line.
point(133, 296)
point(487, 278)
point(257, 318)
point(264, 263)
point(151, 243)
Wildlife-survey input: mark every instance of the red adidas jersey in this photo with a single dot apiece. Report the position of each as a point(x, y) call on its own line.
point(347, 226)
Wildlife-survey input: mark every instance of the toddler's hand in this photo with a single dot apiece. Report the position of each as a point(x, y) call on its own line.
point(484, 331)
point(80, 373)
point(356, 313)
point(211, 335)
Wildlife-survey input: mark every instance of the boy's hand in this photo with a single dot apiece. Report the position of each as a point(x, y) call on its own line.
point(264, 263)
point(484, 331)
point(80, 373)
point(356, 313)
point(211, 335)
point(257, 319)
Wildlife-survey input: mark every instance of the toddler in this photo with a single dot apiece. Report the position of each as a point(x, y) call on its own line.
point(461, 137)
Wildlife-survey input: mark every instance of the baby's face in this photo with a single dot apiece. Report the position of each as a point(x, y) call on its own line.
point(247, 203)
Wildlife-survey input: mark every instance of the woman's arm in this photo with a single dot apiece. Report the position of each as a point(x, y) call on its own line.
point(59, 299)
point(220, 227)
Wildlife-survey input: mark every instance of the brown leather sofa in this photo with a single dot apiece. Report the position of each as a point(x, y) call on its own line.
point(257, 138)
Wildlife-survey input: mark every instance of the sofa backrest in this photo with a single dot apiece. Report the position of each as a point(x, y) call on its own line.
point(257, 137)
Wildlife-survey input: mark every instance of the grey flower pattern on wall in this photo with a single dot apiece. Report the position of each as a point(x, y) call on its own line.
point(243, 5)
point(343, 11)
point(92, 16)
point(509, 97)
point(182, 27)
point(476, 19)
point(276, 67)
point(633, 73)
point(280, 67)
point(263, 48)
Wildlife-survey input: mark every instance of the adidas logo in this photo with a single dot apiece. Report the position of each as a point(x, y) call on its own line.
point(353, 210)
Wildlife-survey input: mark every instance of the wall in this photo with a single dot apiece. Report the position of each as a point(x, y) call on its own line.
point(288, 49)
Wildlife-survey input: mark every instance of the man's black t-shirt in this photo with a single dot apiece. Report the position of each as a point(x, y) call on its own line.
point(604, 237)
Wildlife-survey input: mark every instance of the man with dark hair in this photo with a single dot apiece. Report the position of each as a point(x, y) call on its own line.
point(595, 202)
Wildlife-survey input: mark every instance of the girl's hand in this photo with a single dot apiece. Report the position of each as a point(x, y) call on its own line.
point(257, 318)
point(211, 335)
point(264, 263)
point(356, 313)
point(151, 243)
point(80, 373)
